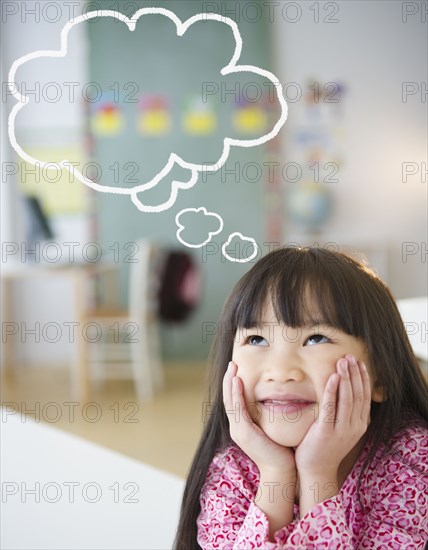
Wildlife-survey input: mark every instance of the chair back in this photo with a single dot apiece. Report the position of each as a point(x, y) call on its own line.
point(144, 280)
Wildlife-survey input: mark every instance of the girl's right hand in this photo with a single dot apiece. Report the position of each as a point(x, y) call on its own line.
point(270, 457)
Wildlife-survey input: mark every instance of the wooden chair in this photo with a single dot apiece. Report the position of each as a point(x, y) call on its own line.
point(129, 343)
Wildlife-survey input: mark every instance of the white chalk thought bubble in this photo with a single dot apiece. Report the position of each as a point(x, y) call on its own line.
point(231, 67)
point(243, 238)
point(181, 227)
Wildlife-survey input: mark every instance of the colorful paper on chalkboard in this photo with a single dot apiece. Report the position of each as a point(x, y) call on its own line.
point(154, 117)
point(199, 117)
point(106, 117)
point(249, 117)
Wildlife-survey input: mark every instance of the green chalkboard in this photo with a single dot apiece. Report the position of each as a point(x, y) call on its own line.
point(154, 60)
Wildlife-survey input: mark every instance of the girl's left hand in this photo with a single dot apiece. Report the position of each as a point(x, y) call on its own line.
point(343, 419)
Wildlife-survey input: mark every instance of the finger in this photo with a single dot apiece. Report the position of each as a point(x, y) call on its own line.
point(241, 425)
point(227, 387)
point(365, 413)
point(345, 400)
point(357, 389)
point(327, 415)
point(238, 395)
point(243, 430)
point(248, 428)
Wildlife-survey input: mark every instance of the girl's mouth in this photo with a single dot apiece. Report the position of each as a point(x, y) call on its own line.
point(286, 407)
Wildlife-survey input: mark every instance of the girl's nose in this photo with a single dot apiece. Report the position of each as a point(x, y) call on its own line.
point(284, 369)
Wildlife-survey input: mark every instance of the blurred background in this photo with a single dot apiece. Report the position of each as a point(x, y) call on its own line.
point(102, 303)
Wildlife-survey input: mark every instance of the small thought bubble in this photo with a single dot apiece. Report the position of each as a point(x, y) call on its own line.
point(240, 247)
point(182, 227)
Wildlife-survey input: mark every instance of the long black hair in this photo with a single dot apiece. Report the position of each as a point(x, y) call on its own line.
point(350, 297)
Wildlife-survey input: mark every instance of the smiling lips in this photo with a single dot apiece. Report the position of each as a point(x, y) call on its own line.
point(288, 403)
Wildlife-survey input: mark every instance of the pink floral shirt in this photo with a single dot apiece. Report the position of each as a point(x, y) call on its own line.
point(392, 513)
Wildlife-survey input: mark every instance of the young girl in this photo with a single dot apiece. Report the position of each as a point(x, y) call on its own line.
point(317, 435)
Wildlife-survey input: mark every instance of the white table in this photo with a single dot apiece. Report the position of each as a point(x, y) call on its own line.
point(36, 456)
point(78, 275)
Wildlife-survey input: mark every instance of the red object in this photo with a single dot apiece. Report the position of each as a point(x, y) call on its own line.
point(180, 287)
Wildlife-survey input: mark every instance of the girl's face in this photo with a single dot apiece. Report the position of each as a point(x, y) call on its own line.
point(284, 372)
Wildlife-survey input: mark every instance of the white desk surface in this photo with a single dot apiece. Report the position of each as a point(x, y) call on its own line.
point(36, 453)
point(414, 312)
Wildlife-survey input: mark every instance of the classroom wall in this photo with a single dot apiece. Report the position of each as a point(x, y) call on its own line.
point(118, 219)
point(26, 28)
point(376, 49)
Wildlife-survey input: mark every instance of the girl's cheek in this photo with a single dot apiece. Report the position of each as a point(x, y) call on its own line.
point(326, 379)
point(248, 394)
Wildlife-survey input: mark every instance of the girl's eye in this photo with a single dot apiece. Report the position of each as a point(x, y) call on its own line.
point(316, 339)
point(256, 340)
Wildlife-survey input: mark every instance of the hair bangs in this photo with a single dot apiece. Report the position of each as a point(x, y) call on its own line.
point(303, 292)
point(251, 302)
